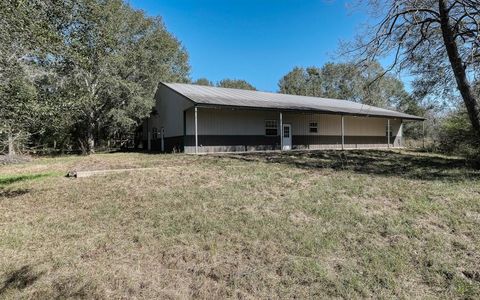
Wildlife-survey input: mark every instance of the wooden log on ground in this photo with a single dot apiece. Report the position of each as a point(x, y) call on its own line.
point(81, 174)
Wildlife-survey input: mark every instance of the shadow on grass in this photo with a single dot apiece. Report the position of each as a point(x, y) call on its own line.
point(66, 288)
point(19, 279)
point(408, 165)
point(7, 193)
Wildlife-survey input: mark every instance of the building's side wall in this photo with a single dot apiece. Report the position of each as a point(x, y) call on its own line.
point(224, 130)
point(170, 108)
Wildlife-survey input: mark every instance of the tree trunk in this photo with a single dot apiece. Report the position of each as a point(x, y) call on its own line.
point(458, 68)
point(90, 140)
point(138, 136)
point(11, 144)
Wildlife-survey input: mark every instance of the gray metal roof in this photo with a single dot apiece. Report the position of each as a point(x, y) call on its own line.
point(216, 96)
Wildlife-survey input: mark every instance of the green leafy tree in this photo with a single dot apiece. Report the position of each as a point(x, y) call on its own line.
point(344, 81)
point(331, 81)
point(226, 83)
point(456, 134)
point(294, 82)
point(114, 58)
point(347, 81)
point(18, 105)
point(28, 34)
point(203, 81)
point(236, 84)
point(81, 71)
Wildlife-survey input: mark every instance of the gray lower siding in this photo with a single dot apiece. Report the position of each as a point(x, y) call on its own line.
point(171, 144)
point(233, 140)
point(252, 140)
point(241, 143)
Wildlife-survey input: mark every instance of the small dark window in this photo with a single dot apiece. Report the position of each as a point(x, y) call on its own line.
point(313, 127)
point(271, 127)
point(286, 131)
point(154, 133)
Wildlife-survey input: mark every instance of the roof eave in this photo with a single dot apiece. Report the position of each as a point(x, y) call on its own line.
point(210, 105)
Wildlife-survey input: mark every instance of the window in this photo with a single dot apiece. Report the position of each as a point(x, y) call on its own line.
point(286, 132)
point(270, 127)
point(154, 133)
point(313, 127)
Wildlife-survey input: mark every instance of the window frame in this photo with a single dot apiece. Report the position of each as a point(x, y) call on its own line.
point(271, 127)
point(310, 127)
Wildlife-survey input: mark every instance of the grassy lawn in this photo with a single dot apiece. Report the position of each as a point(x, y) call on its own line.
point(293, 225)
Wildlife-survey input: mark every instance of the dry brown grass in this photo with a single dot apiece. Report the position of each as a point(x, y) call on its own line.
point(298, 225)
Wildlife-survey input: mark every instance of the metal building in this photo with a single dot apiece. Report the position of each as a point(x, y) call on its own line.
point(200, 119)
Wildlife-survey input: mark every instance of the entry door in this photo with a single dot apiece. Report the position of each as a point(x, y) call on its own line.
point(287, 137)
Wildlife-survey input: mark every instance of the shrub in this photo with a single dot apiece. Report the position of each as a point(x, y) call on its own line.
point(456, 136)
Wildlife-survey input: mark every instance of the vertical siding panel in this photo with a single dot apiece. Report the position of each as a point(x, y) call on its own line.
point(213, 121)
point(330, 124)
point(170, 107)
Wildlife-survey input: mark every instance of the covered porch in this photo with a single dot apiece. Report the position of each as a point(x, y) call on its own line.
point(210, 129)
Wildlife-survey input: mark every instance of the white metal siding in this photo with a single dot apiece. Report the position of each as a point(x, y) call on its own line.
point(170, 107)
point(229, 122)
point(252, 122)
point(327, 124)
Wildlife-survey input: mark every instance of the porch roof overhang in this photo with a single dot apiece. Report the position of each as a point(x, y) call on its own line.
point(215, 97)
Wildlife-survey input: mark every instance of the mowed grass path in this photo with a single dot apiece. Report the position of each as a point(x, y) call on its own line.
point(293, 225)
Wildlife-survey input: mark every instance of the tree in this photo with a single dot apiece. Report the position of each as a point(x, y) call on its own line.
point(294, 82)
point(80, 71)
point(114, 58)
point(347, 81)
point(226, 83)
point(28, 32)
point(456, 134)
point(437, 40)
point(203, 81)
point(236, 84)
point(17, 100)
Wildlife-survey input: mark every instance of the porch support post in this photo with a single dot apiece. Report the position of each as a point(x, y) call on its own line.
point(400, 131)
point(423, 133)
point(149, 140)
point(281, 131)
point(196, 130)
point(162, 132)
point(388, 132)
point(343, 132)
